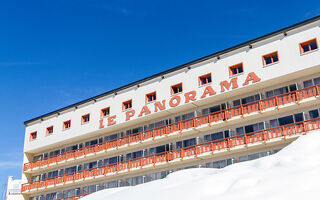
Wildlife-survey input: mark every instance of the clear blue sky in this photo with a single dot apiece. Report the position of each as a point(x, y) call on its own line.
point(55, 53)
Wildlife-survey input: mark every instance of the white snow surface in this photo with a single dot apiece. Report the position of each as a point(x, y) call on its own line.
point(293, 173)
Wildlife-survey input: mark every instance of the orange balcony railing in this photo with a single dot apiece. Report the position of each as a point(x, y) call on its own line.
point(192, 152)
point(208, 119)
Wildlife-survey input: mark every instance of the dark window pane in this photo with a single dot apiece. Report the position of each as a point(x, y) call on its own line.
point(286, 120)
point(305, 48)
point(298, 117)
point(314, 114)
point(275, 58)
point(268, 60)
point(313, 45)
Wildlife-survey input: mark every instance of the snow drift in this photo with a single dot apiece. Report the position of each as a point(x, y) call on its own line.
point(293, 173)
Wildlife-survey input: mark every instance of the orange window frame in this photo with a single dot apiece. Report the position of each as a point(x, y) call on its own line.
point(83, 118)
point(48, 130)
point(65, 124)
point(176, 85)
point(103, 110)
point(270, 55)
point(307, 42)
point(124, 104)
point(204, 76)
point(235, 66)
point(151, 94)
point(33, 135)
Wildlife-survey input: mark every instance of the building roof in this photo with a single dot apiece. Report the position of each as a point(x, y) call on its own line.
point(216, 54)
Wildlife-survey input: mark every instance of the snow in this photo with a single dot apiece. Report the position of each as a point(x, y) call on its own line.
point(293, 173)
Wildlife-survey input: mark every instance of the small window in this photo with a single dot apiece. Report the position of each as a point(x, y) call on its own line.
point(270, 58)
point(236, 69)
point(308, 46)
point(151, 97)
point(49, 130)
point(127, 105)
point(33, 135)
point(105, 112)
point(205, 79)
point(66, 124)
point(175, 89)
point(85, 118)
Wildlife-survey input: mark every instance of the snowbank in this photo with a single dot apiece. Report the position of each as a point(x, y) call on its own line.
point(293, 173)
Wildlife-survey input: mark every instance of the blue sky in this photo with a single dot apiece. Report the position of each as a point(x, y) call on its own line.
point(55, 53)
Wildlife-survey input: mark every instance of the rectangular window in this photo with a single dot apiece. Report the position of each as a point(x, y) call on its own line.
point(66, 124)
point(175, 89)
point(85, 118)
point(127, 105)
point(105, 112)
point(270, 58)
point(49, 130)
point(33, 135)
point(308, 46)
point(236, 69)
point(151, 97)
point(205, 79)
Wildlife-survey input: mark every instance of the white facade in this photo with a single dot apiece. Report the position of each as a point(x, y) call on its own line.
point(13, 189)
point(292, 68)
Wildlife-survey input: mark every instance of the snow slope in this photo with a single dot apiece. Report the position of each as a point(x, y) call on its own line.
point(293, 173)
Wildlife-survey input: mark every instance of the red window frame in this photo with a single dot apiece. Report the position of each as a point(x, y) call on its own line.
point(107, 110)
point(65, 124)
point(85, 118)
point(264, 57)
point(309, 47)
point(203, 80)
point(48, 130)
point(236, 66)
point(176, 86)
point(125, 104)
point(150, 97)
point(33, 135)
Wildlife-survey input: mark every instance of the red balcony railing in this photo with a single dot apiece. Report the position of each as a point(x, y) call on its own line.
point(208, 119)
point(260, 137)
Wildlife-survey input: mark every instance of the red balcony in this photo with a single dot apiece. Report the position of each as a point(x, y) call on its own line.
point(203, 150)
point(261, 106)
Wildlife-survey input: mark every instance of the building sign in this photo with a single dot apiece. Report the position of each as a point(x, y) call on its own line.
point(176, 100)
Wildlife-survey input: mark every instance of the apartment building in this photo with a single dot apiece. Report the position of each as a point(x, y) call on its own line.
point(239, 104)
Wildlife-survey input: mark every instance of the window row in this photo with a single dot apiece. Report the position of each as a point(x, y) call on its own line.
point(251, 128)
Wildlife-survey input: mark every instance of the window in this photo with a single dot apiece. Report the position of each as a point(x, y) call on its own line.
point(66, 124)
point(151, 97)
point(175, 89)
point(85, 118)
point(270, 58)
point(246, 100)
point(49, 130)
point(105, 112)
point(236, 69)
point(281, 90)
point(127, 105)
point(287, 120)
point(311, 82)
point(314, 114)
point(33, 135)
point(205, 79)
point(309, 45)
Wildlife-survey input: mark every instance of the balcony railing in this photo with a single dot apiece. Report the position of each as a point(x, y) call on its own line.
point(244, 141)
point(259, 106)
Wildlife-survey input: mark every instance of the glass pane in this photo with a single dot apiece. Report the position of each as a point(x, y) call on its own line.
point(305, 48)
point(286, 120)
point(313, 45)
point(298, 117)
point(268, 60)
point(316, 81)
point(307, 83)
point(313, 114)
point(275, 58)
